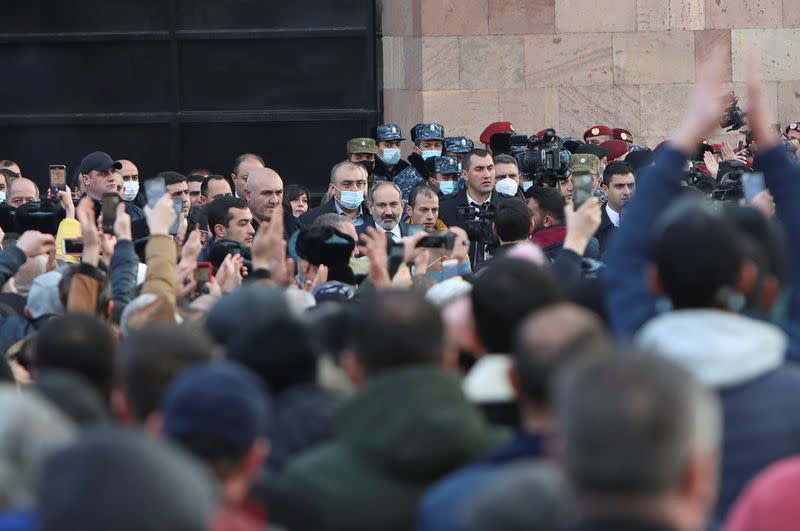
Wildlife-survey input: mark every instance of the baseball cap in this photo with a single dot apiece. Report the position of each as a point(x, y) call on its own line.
point(432, 131)
point(584, 163)
point(334, 292)
point(495, 127)
point(98, 161)
point(215, 410)
point(43, 296)
point(361, 145)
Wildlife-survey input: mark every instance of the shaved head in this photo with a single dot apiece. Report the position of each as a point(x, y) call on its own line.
point(264, 191)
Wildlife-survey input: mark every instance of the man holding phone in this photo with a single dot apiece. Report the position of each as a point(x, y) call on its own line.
point(97, 173)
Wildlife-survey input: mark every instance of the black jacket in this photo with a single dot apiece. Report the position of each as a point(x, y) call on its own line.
point(480, 235)
point(330, 208)
point(383, 173)
point(290, 224)
point(607, 228)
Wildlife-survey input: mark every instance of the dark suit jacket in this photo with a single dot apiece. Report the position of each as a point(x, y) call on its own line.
point(361, 229)
point(330, 208)
point(605, 231)
point(448, 213)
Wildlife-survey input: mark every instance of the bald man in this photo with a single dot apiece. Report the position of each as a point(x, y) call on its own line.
point(264, 192)
point(130, 179)
point(22, 191)
point(242, 167)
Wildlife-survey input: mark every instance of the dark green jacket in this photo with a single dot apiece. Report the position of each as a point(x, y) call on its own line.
point(401, 433)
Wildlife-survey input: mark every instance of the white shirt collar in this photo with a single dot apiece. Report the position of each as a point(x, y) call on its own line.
point(470, 200)
point(395, 232)
point(613, 216)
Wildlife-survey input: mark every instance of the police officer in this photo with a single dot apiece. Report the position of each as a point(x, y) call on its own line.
point(598, 134)
point(388, 162)
point(428, 142)
point(457, 146)
point(444, 175)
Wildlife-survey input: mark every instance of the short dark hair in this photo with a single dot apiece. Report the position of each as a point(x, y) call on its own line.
point(219, 210)
point(550, 201)
point(195, 178)
point(331, 220)
point(512, 220)
point(613, 449)
point(243, 157)
point(618, 167)
point(505, 159)
point(699, 255)
point(202, 172)
point(7, 163)
point(466, 162)
point(8, 174)
point(396, 329)
point(295, 191)
point(151, 357)
point(424, 190)
point(204, 186)
point(505, 292)
point(80, 343)
point(172, 177)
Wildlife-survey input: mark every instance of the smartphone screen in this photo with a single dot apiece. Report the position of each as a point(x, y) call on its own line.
point(110, 202)
point(72, 246)
point(753, 184)
point(203, 272)
point(154, 188)
point(582, 189)
point(177, 205)
point(58, 175)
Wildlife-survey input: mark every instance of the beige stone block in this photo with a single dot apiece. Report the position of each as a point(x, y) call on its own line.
point(393, 62)
point(788, 102)
point(463, 112)
point(587, 16)
point(455, 17)
point(440, 63)
point(663, 108)
point(611, 105)
point(493, 61)
point(412, 63)
point(569, 58)
point(530, 109)
point(791, 13)
point(507, 17)
point(399, 17)
point(402, 107)
point(662, 15)
point(704, 43)
point(776, 48)
point(744, 13)
point(654, 57)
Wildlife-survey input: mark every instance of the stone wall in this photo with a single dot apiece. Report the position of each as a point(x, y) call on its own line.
point(570, 64)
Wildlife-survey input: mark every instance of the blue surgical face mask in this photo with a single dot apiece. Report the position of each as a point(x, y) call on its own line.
point(447, 187)
point(391, 156)
point(428, 153)
point(351, 200)
point(526, 185)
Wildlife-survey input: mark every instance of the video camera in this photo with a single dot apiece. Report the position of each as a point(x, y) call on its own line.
point(478, 221)
point(545, 159)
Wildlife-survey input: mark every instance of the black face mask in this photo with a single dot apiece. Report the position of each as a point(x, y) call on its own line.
point(368, 164)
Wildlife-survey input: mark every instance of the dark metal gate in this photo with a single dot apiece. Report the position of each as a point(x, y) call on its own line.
point(182, 84)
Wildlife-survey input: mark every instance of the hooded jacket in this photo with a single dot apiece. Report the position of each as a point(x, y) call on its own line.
point(743, 360)
point(401, 433)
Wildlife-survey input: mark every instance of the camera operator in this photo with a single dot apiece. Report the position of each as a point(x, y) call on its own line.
point(473, 209)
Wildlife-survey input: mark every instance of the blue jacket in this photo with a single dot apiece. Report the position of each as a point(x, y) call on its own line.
point(757, 389)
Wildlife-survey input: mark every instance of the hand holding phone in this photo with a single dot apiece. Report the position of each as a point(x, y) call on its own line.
point(58, 176)
point(582, 189)
point(109, 211)
point(753, 184)
point(154, 188)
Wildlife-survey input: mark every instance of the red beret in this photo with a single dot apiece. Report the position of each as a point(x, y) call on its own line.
point(623, 134)
point(496, 127)
point(598, 130)
point(615, 148)
point(792, 127)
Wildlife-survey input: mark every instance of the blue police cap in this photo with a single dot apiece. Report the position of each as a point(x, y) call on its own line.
point(446, 165)
point(458, 144)
point(387, 132)
point(422, 132)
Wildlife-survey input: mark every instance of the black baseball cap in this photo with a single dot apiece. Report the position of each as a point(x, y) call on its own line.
point(98, 161)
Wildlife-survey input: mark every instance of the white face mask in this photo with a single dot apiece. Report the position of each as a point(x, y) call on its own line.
point(507, 186)
point(130, 189)
point(2, 197)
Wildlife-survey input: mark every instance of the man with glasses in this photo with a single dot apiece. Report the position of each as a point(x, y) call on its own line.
point(347, 188)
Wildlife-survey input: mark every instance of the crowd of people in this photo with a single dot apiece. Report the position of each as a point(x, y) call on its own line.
point(541, 333)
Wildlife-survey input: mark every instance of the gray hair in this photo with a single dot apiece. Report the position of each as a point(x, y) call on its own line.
point(346, 164)
point(30, 429)
point(630, 423)
point(332, 220)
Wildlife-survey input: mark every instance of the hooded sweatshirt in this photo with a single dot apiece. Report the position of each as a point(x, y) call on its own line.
point(743, 360)
point(401, 433)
